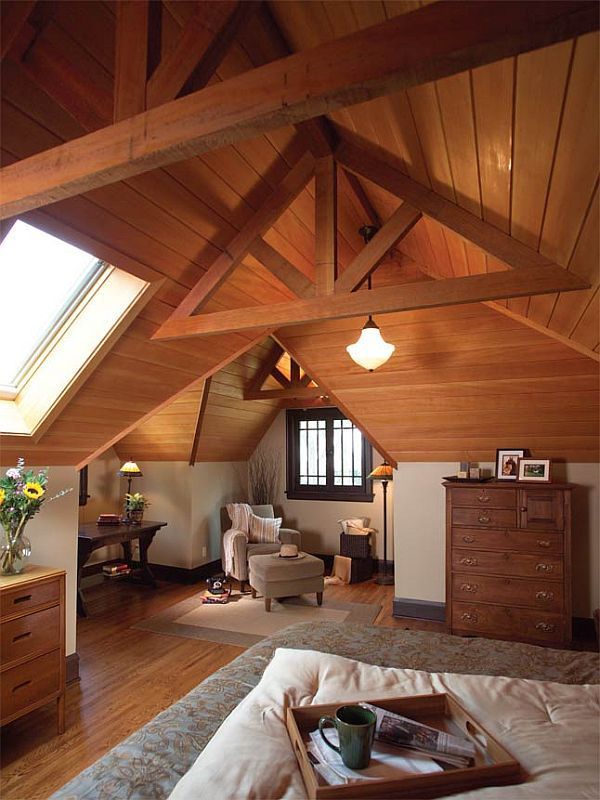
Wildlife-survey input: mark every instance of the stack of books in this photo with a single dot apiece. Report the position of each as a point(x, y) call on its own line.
point(108, 519)
point(111, 570)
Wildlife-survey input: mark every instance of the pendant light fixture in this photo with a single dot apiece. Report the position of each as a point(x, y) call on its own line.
point(371, 350)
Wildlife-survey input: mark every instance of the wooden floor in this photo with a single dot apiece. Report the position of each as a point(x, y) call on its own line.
point(127, 677)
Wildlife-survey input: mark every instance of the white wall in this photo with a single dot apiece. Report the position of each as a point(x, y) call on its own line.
point(317, 519)
point(420, 531)
point(53, 535)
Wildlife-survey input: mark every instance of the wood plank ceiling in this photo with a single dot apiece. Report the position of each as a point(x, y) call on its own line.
point(514, 143)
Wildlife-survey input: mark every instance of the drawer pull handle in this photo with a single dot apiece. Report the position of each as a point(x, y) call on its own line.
point(547, 627)
point(21, 685)
point(523, 509)
point(483, 519)
point(469, 617)
point(21, 636)
point(469, 587)
point(544, 568)
point(23, 599)
point(469, 562)
point(544, 595)
point(468, 539)
point(543, 543)
point(484, 498)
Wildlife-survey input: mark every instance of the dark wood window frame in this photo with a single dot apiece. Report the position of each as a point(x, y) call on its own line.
point(297, 491)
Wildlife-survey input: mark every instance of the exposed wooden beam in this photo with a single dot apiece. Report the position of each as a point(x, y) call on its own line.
point(280, 378)
point(382, 168)
point(202, 44)
point(14, 17)
point(238, 248)
point(294, 372)
point(395, 229)
point(438, 40)
point(131, 58)
point(408, 297)
point(296, 392)
point(200, 420)
point(266, 368)
point(325, 225)
point(287, 273)
point(359, 198)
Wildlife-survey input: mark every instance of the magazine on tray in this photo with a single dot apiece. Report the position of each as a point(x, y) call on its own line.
point(407, 733)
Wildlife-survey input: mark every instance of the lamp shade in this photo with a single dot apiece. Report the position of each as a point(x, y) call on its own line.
point(370, 351)
point(130, 470)
point(382, 473)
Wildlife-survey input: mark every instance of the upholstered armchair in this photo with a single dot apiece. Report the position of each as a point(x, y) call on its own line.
point(243, 549)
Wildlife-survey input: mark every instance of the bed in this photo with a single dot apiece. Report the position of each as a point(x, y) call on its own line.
point(148, 764)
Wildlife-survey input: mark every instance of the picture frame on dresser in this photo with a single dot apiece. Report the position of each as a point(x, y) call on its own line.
point(534, 470)
point(507, 463)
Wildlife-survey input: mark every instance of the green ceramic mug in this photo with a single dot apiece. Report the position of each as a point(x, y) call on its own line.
point(356, 728)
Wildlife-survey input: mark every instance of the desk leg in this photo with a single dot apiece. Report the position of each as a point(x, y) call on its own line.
point(127, 552)
point(145, 542)
point(84, 549)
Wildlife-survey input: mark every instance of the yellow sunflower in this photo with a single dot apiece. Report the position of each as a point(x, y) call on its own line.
point(2, 496)
point(33, 490)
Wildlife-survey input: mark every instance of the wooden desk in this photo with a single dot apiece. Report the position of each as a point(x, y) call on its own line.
point(91, 537)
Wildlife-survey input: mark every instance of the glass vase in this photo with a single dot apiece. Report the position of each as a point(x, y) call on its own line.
point(14, 554)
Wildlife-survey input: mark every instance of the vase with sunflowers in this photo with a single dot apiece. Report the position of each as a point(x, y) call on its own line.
point(22, 494)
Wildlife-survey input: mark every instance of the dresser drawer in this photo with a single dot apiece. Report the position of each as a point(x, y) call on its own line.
point(30, 634)
point(482, 497)
point(485, 517)
point(26, 597)
point(30, 683)
point(544, 595)
point(504, 621)
point(523, 541)
point(523, 565)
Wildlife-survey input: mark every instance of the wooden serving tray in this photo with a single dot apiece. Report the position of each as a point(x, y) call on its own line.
point(494, 766)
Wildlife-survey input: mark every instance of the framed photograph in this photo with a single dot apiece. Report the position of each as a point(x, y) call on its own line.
point(507, 462)
point(534, 469)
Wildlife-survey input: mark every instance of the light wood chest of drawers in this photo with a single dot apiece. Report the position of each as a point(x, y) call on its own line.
point(508, 561)
point(32, 643)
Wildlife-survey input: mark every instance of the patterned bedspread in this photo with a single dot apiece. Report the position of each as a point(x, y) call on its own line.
point(148, 764)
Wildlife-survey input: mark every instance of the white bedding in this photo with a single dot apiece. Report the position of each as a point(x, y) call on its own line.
point(551, 728)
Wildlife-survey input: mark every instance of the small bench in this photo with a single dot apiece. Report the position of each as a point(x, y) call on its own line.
point(272, 576)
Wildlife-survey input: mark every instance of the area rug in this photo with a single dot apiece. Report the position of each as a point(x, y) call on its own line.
point(243, 621)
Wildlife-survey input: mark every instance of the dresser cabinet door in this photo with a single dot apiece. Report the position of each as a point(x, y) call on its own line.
point(541, 509)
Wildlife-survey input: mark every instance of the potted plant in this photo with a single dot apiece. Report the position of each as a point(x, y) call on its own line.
point(134, 508)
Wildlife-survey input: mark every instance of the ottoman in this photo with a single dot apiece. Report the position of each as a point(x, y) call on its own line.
point(273, 576)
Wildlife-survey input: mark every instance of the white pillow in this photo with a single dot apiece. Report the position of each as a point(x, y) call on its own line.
point(239, 514)
point(263, 530)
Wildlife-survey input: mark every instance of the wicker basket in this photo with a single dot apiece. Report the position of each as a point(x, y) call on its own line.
point(355, 546)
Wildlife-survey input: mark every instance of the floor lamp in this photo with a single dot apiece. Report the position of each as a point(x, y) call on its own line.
point(384, 473)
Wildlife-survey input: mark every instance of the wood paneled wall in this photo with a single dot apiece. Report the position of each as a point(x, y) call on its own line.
point(463, 382)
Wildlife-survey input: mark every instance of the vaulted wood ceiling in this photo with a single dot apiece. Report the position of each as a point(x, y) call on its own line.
point(513, 142)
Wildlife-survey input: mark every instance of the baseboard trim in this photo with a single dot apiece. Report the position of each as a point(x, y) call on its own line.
point(72, 667)
point(419, 609)
point(584, 628)
point(164, 572)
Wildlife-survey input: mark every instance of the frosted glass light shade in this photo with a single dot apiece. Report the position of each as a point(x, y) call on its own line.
point(370, 351)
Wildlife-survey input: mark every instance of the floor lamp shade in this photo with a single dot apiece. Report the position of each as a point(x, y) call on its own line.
point(384, 473)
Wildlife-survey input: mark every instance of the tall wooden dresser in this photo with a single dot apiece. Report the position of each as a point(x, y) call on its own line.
point(32, 643)
point(508, 561)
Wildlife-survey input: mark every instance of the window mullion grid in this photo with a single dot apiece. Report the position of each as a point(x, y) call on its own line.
point(329, 452)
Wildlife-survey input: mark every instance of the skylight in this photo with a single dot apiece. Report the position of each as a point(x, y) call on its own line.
point(41, 278)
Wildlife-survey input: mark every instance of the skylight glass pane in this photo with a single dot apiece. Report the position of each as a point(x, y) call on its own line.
point(40, 276)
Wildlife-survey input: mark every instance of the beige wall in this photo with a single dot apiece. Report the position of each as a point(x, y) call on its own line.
point(419, 531)
point(189, 499)
point(53, 535)
point(317, 519)
point(106, 492)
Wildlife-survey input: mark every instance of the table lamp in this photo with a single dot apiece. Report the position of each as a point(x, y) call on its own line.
point(130, 470)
